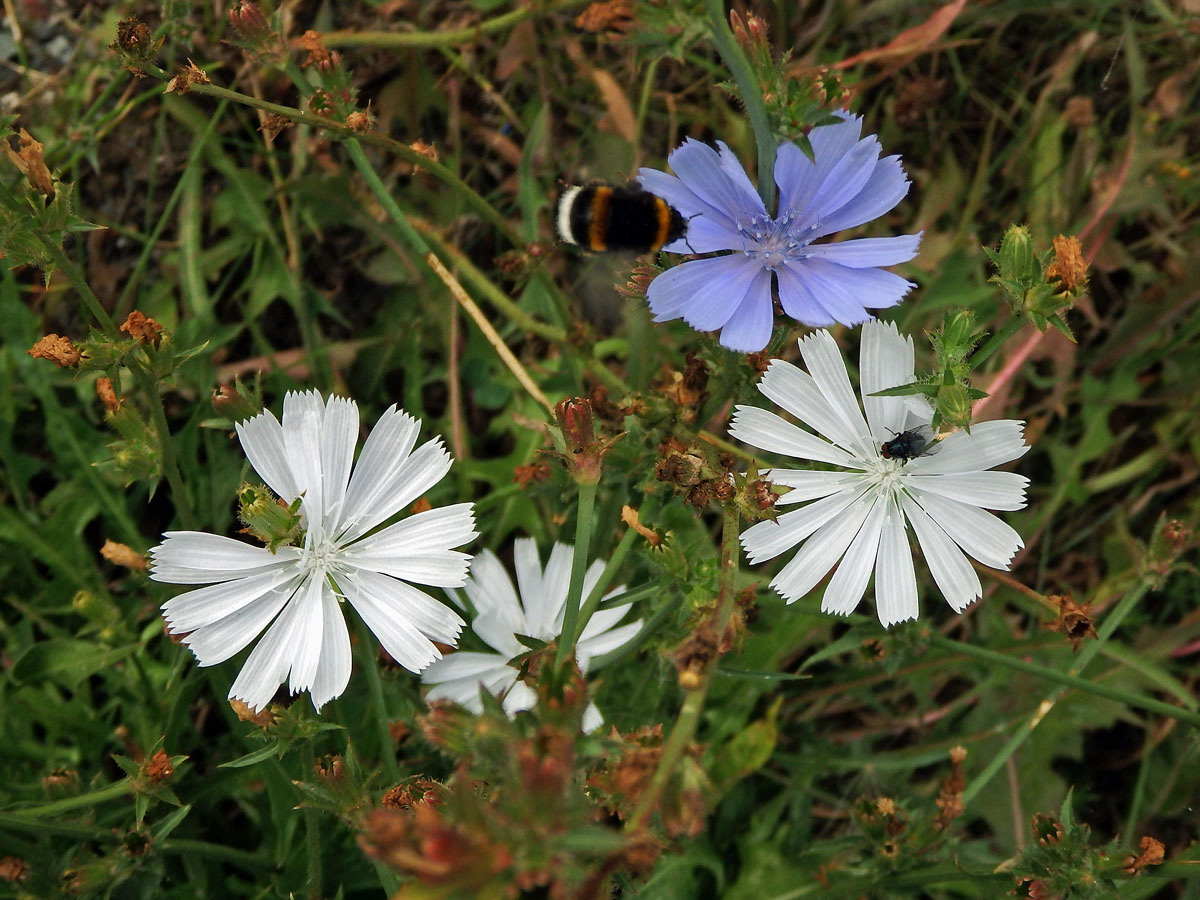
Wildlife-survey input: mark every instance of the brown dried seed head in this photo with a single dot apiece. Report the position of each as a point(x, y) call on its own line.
point(121, 555)
point(1069, 267)
point(142, 328)
point(59, 350)
point(614, 16)
point(13, 868)
point(108, 396)
point(29, 160)
point(185, 78)
point(160, 768)
point(359, 122)
point(1153, 853)
point(262, 718)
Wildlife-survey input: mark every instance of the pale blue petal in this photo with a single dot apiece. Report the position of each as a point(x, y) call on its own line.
point(708, 228)
point(702, 170)
point(886, 187)
point(865, 253)
point(804, 286)
point(749, 328)
point(798, 301)
point(845, 291)
point(798, 177)
point(848, 176)
point(705, 292)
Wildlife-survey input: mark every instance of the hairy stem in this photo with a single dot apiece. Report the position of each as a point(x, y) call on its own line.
point(688, 719)
point(585, 523)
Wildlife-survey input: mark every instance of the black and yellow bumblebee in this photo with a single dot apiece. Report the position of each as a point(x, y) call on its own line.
point(601, 217)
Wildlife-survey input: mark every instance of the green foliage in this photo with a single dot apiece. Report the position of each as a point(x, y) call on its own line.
point(815, 755)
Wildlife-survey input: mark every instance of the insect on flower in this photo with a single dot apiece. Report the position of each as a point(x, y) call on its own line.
point(910, 444)
point(611, 217)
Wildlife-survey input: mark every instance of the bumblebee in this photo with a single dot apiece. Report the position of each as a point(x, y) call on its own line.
point(909, 444)
point(603, 217)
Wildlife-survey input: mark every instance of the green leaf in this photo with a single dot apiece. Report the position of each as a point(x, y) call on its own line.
point(250, 759)
point(67, 661)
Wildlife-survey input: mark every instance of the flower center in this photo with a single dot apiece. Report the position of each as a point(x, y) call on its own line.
point(320, 556)
point(886, 475)
point(774, 241)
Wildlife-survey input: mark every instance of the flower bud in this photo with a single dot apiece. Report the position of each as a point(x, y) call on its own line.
point(954, 404)
point(268, 518)
point(580, 451)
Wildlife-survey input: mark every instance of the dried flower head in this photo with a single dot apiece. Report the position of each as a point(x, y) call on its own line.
point(142, 328)
point(122, 555)
point(1069, 267)
point(59, 350)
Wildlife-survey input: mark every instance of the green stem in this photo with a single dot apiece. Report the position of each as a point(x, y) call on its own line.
point(103, 795)
point(394, 40)
point(1068, 680)
point(743, 75)
point(402, 150)
point(13, 822)
point(67, 266)
point(312, 829)
point(243, 858)
point(493, 294)
point(688, 719)
point(585, 523)
point(1110, 624)
point(996, 341)
point(592, 603)
point(387, 744)
point(384, 196)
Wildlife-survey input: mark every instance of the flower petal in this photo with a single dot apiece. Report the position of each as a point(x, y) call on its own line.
point(895, 579)
point(795, 390)
point(544, 611)
point(979, 533)
point(767, 539)
point(489, 586)
point(885, 360)
point(809, 484)
point(703, 292)
point(415, 548)
point(339, 435)
point(749, 328)
point(268, 664)
point(308, 634)
point(708, 229)
point(228, 636)
point(798, 177)
point(433, 619)
point(886, 187)
point(849, 581)
point(195, 557)
point(848, 293)
point(207, 605)
point(389, 621)
point(845, 179)
point(955, 577)
point(528, 565)
point(303, 416)
point(987, 444)
point(591, 719)
point(821, 551)
point(991, 490)
point(867, 253)
point(766, 431)
point(387, 447)
point(605, 642)
point(828, 372)
point(703, 170)
point(333, 670)
point(815, 301)
point(262, 441)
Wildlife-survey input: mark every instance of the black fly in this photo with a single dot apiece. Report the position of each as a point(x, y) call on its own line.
point(907, 444)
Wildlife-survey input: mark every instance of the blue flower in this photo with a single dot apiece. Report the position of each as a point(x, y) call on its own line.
point(819, 284)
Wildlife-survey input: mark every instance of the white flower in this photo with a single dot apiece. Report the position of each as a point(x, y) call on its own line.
point(501, 615)
point(310, 456)
point(861, 510)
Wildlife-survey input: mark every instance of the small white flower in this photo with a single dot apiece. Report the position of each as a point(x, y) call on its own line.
point(297, 589)
point(861, 510)
point(501, 615)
